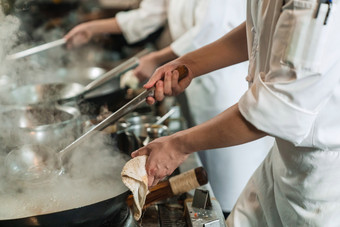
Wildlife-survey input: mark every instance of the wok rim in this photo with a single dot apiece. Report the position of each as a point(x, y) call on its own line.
point(73, 111)
point(35, 87)
point(123, 196)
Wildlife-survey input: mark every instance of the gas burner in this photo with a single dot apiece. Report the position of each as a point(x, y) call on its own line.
point(183, 212)
point(123, 219)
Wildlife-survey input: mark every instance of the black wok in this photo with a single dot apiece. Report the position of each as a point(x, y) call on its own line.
point(90, 215)
point(85, 210)
point(96, 214)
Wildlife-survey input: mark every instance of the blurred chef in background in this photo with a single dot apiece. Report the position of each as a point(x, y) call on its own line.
point(193, 24)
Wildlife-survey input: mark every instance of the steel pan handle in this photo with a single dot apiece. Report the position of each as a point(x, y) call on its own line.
point(115, 72)
point(144, 52)
point(36, 49)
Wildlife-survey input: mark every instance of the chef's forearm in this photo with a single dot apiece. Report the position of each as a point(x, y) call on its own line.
point(228, 50)
point(164, 55)
point(229, 128)
point(105, 26)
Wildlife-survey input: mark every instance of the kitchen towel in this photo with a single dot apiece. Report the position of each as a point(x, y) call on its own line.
point(134, 176)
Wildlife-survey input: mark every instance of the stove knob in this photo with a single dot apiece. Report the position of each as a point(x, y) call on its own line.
point(213, 223)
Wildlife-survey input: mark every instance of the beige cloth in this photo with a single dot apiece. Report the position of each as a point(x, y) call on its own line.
point(134, 176)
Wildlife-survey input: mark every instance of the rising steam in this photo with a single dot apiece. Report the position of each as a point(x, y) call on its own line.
point(94, 171)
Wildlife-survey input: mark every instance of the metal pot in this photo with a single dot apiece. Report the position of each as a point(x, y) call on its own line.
point(53, 126)
point(132, 131)
point(135, 119)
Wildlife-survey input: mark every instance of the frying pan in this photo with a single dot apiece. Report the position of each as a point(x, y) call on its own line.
point(95, 214)
point(51, 93)
point(85, 75)
point(63, 92)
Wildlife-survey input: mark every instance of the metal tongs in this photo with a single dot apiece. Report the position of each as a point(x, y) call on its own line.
point(36, 49)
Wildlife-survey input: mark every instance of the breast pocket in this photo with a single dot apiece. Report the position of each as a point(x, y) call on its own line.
point(301, 36)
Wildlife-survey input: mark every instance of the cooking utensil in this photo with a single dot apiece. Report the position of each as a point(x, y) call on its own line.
point(157, 129)
point(54, 92)
point(144, 119)
point(132, 132)
point(39, 165)
point(165, 116)
point(135, 119)
point(36, 49)
point(94, 215)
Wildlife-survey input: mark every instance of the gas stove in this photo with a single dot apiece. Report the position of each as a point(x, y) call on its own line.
point(179, 211)
point(123, 219)
point(185, 211)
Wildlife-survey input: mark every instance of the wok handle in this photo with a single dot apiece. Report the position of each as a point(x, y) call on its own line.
point(176, 185)
point(36, 49)
point(115, 72)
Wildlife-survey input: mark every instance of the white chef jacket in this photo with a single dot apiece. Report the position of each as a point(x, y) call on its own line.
point(295, 71)
point(193, 24)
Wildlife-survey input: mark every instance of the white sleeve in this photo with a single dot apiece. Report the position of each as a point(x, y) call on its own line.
point(303, 73)
point(139, 23)
point(209, 25)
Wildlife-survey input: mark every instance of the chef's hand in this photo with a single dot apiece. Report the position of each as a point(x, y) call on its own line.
point(165, 155)
point(147, 65)
point(165, 79)
point(79, 35)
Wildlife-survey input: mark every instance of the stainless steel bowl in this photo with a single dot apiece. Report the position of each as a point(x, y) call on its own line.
point(139, 130)
point(52, 126)
point(135, 119)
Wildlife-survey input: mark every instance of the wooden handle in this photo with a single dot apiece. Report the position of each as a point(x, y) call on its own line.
point(176, 185)
point(183, 71)
point(188, 180)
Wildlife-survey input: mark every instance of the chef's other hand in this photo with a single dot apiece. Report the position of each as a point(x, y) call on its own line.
point(165, 155)
point(79, 35)
point(147, 65)
point(165, 80)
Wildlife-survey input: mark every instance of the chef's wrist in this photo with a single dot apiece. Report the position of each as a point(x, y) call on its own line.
point(93, 27)
point(103, 26)
point(155, 57)
point(189, 63)
point(184, 142)
point(163, 56)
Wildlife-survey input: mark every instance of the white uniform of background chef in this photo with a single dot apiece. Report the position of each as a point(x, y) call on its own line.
point(295, 96)
point(193, 24)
